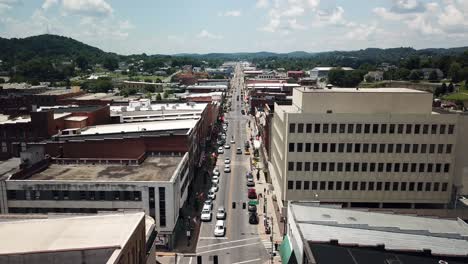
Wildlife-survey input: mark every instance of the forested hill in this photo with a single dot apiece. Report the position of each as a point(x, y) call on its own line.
point(50, 47)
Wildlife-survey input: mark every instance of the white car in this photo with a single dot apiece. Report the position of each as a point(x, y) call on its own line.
point(221, 213)
point(227, 146)
point(216, 171)
point(220, 228)
point(214, 188)
point(215, 180)
point(206, 215)
point(227, 168)
point(223, 136)
point(208, 204)
point(211, 195)
point(220, 150)
point(227, 161)
point(232, 141)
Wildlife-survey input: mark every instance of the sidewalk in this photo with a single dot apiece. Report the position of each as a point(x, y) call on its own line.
point(266, 191)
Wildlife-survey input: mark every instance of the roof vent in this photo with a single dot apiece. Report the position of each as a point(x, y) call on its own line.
point(351, 218)
point(326, 216)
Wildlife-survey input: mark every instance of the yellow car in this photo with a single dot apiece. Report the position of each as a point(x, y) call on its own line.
point(247, 152)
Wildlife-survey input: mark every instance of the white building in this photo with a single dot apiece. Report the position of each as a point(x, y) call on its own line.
point(321, 235)
point(379, 147)
point(322, 72)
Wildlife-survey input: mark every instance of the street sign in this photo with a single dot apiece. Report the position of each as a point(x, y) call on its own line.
point(253, 202)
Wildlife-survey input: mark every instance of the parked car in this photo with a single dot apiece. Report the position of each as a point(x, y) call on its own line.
point(211, 195)
point(220, 150)
point(209, 203)
point(250, 184)
point(251, 194)
point(215, 179)
point(214, 187)
point(239, 151)
point(221, 213)
point(252, 208)
point(216, 171)
point(206, 215)
point(227, 161)
point(227, 168)
point(220, 228)
point(253, 218)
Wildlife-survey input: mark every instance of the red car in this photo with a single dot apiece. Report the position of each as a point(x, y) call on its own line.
point(251, 193)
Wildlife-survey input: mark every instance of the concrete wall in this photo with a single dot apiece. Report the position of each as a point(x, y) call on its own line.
point(461, 160)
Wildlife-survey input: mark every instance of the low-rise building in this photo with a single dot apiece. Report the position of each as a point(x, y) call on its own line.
point(295, 74)
point(374, 76)
point(114, 238)
point(207, 88)
point(143, 86)
point(328, 235)
point(318, 73)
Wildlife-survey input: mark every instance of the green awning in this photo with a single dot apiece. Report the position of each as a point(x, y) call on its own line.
point(285, 250)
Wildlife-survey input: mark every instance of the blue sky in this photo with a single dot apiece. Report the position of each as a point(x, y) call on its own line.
point(189, 26)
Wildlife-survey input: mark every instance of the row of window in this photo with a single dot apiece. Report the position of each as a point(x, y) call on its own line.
point(368, 186)
point(417, 129)
point(368, 167)
point(74, 195)
point(370, 148)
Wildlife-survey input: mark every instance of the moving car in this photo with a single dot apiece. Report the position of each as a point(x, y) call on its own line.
point(220, 150)
point(216, 171)
point(215, 179)
point(208, 202)
point(232, 141)
point(250, 184)
point(243, 112)
point(220, 228)
point(211, 195)
point(221, 213)
point(227, 146)
point(206, 214)
point(239, 151)
point(227, 161)
point(252, 208)
point(253, 218)
point(251, 194)
point(227, 168)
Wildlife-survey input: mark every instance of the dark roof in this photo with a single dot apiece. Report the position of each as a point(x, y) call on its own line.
point(331, 254)
point(84, 108)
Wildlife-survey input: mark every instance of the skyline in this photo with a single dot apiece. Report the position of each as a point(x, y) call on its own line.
point(157, 27)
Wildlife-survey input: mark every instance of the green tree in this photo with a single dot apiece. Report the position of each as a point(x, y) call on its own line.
point(450, 88)
point(2, 80)
point(150, 88)
point(437, 91)
point(148, 80)
point(443, 88)
point(454, 72)
point(111, 63)
point(165, 94)
point(402, 74)
point(158, 97)
point(415, 76)
point(433, 77)
point(82, 62)
point(158, 80)
point(413, 62)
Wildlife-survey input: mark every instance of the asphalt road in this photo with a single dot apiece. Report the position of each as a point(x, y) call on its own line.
point(242, 243)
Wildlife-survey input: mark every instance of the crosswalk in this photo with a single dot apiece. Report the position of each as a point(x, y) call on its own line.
point(267, 244)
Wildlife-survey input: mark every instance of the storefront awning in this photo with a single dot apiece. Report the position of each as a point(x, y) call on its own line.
point(285, 250)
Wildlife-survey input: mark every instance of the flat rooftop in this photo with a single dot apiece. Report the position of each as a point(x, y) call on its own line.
point(360, 90)
point(27, 118)
point(152, 169)
point(140, 127)
point(70, 108)
point(178, 107)
point(67, 234)
point(9, 166)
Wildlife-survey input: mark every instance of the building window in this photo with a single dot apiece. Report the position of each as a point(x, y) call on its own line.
point(306, 185)
point(290, 166)
point(358, 128)
point(290, 185)
point(407, 148)
point(365, 148)
point(341, 147)
point(415, 148)
point(425, 129)
point(427, 187)
point(383, 129)
point(322, 185)
point(291, 147)
point(422, 167)
point(356, 167)
point(307, 166)
point(374, 148)
point(409, 127)
point(405, 167)
point(423, 148)
point(444, 186)
point(317, 128)
point(316, 147)
point(388, 167)
point(331, 166)
point(390, 148)
point(398, 148)
point(436, 186)
point(400, 128)
point(307, 147)
point(380, 167)
point(392, 129)
point(348, 166)
point(364, 167)
point(387, 186)
point(333, 147)
point(438, 167)
point(375, 128)
point(442, 129)
point(446, 167)
point(396, 167)
point(448, 149)
point(299, 147)
point(323, 166)
point(366, 128)
point(430, 167)
point(440, 148)
point(331, 185)
point(298, 185)
point(333, 128)
point(298, 166)
point(357, 148)
point(346, 186)
point(433, 129)
point(403, 186)
point(308, 128)
point(372, 167)
point(300, 128)
point(411, 186)
point(162, 206)
point(379, 186)
point(417, 129)
point(395, 186)
point(325, 128)
point(413, 167)
point(382, 148)
point(342, 128)
point(451, 129)
point(339, 185)
point(324, 147)
point(339, 166)
point(431, 148)
point(355, 186)
point(350, 128)
point(292, 128)
point(315, 166)
point(419, 186)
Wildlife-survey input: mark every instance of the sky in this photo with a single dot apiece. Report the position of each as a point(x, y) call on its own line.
point(205, 26)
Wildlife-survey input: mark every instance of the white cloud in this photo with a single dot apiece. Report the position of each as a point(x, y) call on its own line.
point(294, 11)
point(7, 4)
point(313, 4)
point(293, 24)
point(407, 6)
point(231, 13)
point(262, 3)
point(331, 17)
point(207, 35)
point(49, 3)
point(87, 7)
point(361, 32)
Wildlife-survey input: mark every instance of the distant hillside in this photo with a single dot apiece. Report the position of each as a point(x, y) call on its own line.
point(48, 47)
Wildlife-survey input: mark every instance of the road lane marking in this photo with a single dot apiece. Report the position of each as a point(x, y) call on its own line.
point(226, 248)
point(247, 261)
point(234, 241)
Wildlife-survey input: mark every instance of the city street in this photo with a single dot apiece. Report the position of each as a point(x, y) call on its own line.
point(242, 242)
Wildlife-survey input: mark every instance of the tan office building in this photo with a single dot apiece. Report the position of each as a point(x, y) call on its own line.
point(381, 147)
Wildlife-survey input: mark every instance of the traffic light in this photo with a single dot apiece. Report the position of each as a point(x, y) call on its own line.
point(233, 205)
point(243, 205)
